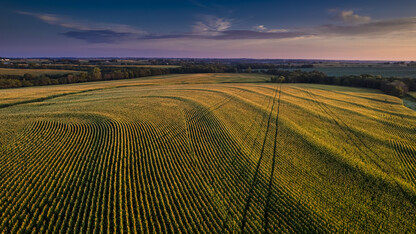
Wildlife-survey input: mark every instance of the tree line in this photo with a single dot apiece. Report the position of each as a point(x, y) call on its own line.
point(390, 85)
point(106, 73)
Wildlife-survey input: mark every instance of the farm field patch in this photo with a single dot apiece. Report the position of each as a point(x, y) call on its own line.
point(205, 153)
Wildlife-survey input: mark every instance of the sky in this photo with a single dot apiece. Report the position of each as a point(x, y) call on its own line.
point(297, 29)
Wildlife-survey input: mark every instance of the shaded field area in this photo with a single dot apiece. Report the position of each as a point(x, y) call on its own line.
point(16, 71)
point(205, 153)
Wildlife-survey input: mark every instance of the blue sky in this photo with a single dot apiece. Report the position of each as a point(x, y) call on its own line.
point(383, 30)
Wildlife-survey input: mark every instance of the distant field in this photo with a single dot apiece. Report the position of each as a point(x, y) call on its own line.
point(405, 72)
point(12, 71)
point(413, 94)
point(206, 153)
point(145, 66)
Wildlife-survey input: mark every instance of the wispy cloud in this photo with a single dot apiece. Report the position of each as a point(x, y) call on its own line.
point(262, 28)
point(233, 35)
point(350, 17)
point(211, 25)
point(250, 34)
point(198, 3)
point(99, 36)
point(374, 28)
point(87, 31)
point(56, 20)
point(363, 29)
point(216, 28)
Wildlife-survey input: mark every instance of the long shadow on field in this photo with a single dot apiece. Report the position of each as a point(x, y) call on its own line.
point(346, 128)
point(255, 177)
point(269, 190)
point(217, 150)
point(84, 164)
point(350, 111)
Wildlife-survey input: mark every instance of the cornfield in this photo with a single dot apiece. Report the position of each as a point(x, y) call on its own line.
point(168, 155)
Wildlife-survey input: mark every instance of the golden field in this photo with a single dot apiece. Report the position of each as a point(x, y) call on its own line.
point(206, 153)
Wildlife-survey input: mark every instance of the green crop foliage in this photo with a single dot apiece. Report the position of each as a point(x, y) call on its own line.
point(205, 153)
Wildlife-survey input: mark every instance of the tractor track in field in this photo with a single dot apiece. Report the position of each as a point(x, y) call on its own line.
point(255, 177)
point(326, 110)
point(347, 129)
point(244, 171)
point(270, 188)
point(220, 159)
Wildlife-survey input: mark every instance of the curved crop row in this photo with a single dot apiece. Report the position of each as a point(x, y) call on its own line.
point(213, 159)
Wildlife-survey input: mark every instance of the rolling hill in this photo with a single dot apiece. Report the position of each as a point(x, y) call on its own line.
point(206, 153)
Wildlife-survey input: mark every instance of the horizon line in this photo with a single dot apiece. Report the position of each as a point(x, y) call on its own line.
point(218, 58)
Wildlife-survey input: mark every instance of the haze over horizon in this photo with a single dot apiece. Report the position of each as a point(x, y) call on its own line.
point(342, 30)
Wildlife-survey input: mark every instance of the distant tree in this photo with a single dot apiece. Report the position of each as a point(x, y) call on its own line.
point(43, 80)
point(28, 76)
point(336, 81)
point(83, 77)
point(281, 79)
point(70, 78)
point(107, 76)
point(397, 88)
point(249, 70)
point(96, 73)
point(275, 79)
point(10, 83)
point(26, 83)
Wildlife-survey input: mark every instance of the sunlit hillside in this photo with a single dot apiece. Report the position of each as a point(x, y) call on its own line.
point(205, 153)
